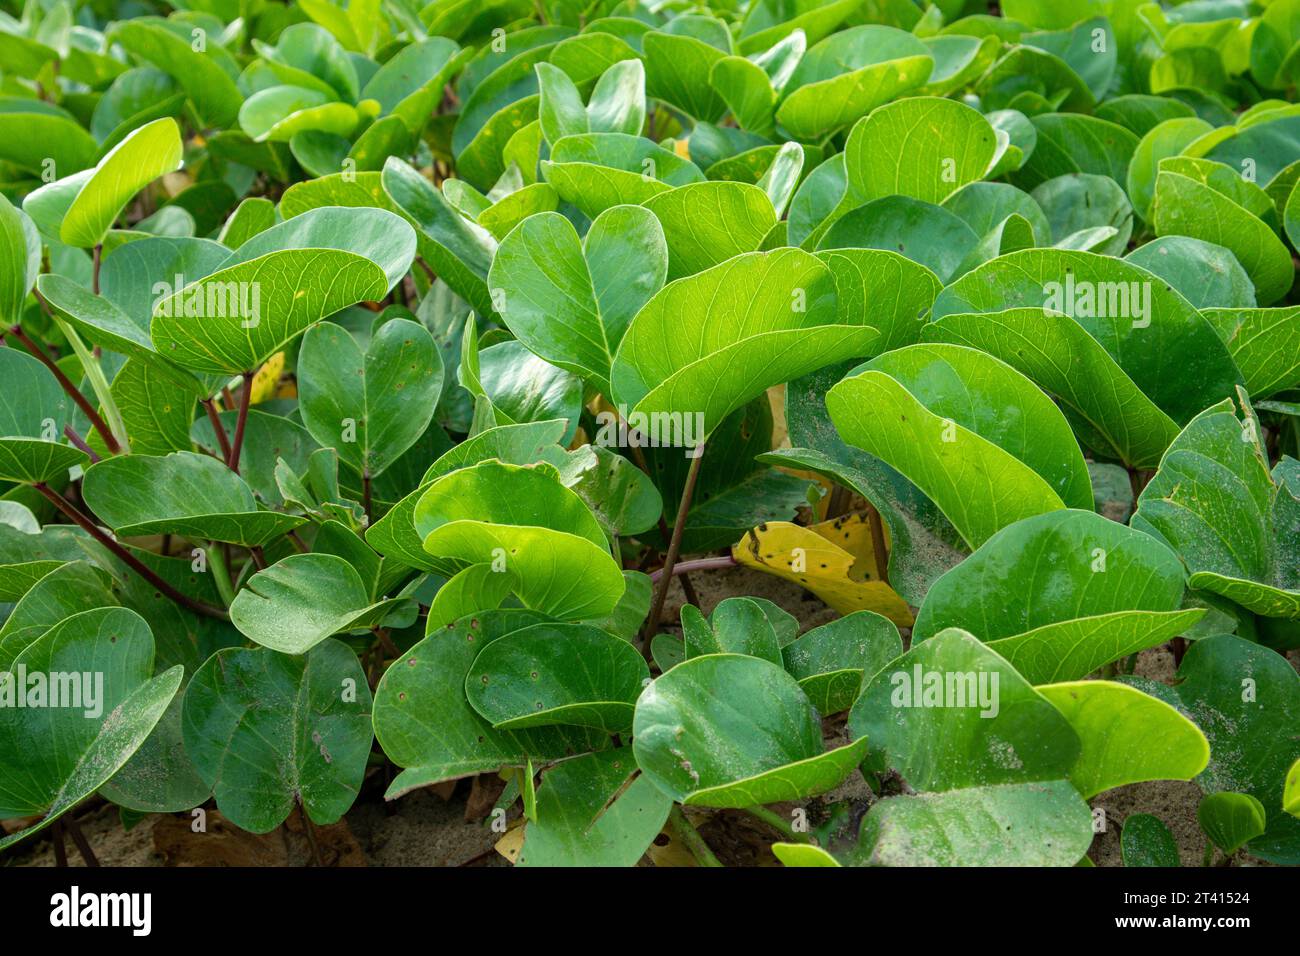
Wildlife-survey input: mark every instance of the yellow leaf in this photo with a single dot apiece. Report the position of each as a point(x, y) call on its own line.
point(512, 842)
point(834, 560)
point(266, 379)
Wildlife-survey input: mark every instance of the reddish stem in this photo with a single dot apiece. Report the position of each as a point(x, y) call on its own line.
point(245, 395)
point(73, 392)
point(129, 559)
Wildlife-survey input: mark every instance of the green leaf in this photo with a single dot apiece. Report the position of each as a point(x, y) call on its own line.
point(569, 300)
point(1265, 344)
point(1026, 824)
point(927, 234)
point(831, 662)
point(151, 151)
point(1191, 201)
point(1166, 139)
point(267, 731)
point(620, 495)
point(617, 104)
point(706, 224)
point(1145, 841)
point(1231, 820)
point(426, 725)
point(1214, 503)
point(374, 405)
point(557, 674)
point(1060, 594)
point(65, 590)
point(1065, 361)
point(492, 513)
point(208, 79)
point(589, 814)
point(598, 170)
point(893, 291)
point(922, 147)
point(849, 74)
point(458, 251)
point(20, 244)
point(475, 589)
point(279, 283)
point(725, 730)
point(951, 714)
point(677, 72)
point(394, 535)
point(1127, 736)
point(1163, 344)
point(182, 493)
point(1206, 275)
point(949, 430)
point(87, 740)
point(738, 626)
point(301, 600)
point(32, 420)
point(1239, 693)
point(710, 343)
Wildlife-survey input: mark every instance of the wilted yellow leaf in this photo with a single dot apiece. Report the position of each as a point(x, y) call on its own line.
point(266, 379)
point(512, 842)
point(834, 560)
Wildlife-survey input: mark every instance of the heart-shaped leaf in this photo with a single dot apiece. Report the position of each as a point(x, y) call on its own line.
point(1060, 594)
point(949, 429)
point(525, 520)
point(571, 300)
point(105, 656)
point(708, 344)
point(181, 493)
point(301, 600)
point(557, 674)
point(268, 731)
point(770, 749)
point(426, 725)
point(361, 402)
point(832, 661)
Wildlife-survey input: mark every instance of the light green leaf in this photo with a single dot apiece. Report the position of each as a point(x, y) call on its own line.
point(151, 151)
point(570, 300)
point(710, 343)
point(1127, 736)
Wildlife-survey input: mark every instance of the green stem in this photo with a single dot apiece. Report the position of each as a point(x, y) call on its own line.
point(778, 823)
point(1208, 859)
point(220, 573)
point(98, 383)
point(690, 837)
